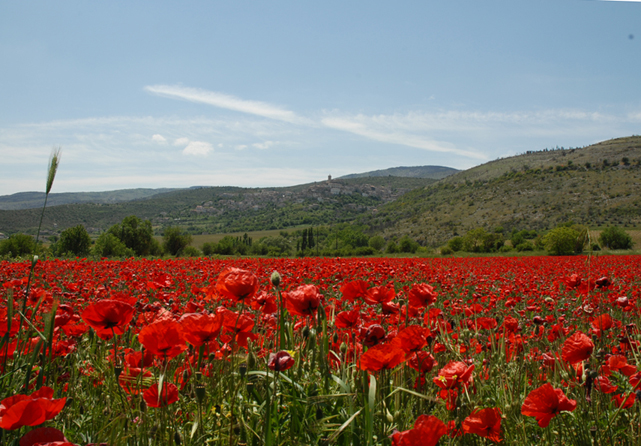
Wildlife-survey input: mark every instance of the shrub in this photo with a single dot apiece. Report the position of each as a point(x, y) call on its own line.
point(391, 248)
point(18, 245)
point(455, 244)
point(614, 237)
point(407, 244)
point(208, 248)
point(108, 245)
point(377, 242)
point(561, 241)
point(137, 235)
point(191, 251)
point(446, 251)
point(175, 241)
point(364, 251)
point(524, 246)
point(74, 241)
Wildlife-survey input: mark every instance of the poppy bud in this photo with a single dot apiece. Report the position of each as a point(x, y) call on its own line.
point(343, 348)
point(177, 438)
point(143, 406)
point(200, 392)
point(335, 338)
point(275, 279)
point(242, 369)
point(305, 331)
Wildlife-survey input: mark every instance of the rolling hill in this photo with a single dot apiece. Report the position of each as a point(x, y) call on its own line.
point(226, 209)
point(30, 200)
point(596, 185)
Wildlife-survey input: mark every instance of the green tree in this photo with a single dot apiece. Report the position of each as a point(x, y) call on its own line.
point(175, 240)
point(226, 246)
point(407, 244)
point(561, 241)
point(18, 245)
point(108, 245)
point(455, 244)
point(208, 248)
point(137, 235)
point(74, 241)
point(377, 242)
point(473, 241)
point(391, 247)
point(615, 237)
point(310, 238)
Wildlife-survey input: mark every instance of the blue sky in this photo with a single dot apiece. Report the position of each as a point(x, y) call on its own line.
point(276, 93)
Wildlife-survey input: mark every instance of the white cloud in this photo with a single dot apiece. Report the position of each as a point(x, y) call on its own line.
point(159, 138)
point(366, 127)
point(198, 148)
point(241, 147)
point(228, 102)
point(263, 145)
point(181, 142)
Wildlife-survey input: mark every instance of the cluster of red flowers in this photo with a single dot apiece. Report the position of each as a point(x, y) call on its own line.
point(382, 314)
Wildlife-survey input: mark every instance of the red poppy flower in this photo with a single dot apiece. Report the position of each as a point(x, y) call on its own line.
point(411, 339)
point(602, 322)
point(137, 359)
point(382, 356)
point(422, 295)
point(353, 290)
point(303, 301)
point(63, 315)
point(237, 284)
point(624, 401)
point(200, 328)
point(603, 384)
point(485, 423)
point(107, 315)
point(168, 395)
point(545, 402)
point(264, 302)
point(348, 319)
point(427, 431)
point(42, 435)
point(29, 410)
point(379, 295)
point(454, 374)
point(620, 364)
point(510, 324)
point(373, 335)
point(280, 361)
point(163, 338)
point(577, 348)
point(422, 362)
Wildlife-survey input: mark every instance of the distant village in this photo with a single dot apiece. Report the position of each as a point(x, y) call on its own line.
point(323, 192)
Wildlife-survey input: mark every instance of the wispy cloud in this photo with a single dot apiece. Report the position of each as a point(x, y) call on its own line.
point(359, 126)
point(228, 102)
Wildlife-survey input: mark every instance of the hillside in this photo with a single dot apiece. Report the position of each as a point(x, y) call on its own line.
point(434, 172)
point(30, 200)
point(227, 209)
point(596, 185)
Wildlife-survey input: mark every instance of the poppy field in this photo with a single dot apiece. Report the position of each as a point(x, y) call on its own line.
point(456, 351)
